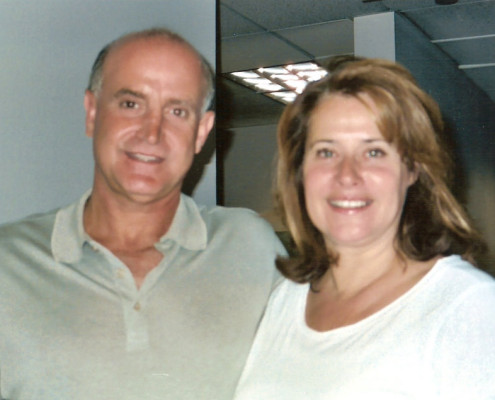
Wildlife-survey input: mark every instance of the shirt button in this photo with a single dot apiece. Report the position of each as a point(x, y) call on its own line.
point(120, 273)
point(137, 306)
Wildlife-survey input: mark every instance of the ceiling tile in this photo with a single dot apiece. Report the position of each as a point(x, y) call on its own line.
point(473, 51)
point(322, 40)
point(463, 20)
point(233, 23)
point(259, 50)
point(278, 14)
point(484, 77)
point(406, 5)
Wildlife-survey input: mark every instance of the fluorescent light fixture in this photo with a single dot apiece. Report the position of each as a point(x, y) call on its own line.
point(282, 83)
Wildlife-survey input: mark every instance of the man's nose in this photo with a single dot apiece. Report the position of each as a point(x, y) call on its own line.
point(153, 128)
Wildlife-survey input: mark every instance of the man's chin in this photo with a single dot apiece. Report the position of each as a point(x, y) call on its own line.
point(149, 197)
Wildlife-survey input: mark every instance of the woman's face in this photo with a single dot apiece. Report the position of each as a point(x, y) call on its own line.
point(355, 183)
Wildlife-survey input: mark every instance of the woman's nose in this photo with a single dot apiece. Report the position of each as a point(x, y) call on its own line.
point(349, 171)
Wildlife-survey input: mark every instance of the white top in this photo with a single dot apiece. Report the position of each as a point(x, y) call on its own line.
point(437, 341)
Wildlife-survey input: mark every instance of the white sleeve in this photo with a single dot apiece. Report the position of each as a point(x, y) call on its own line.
point(464, 354)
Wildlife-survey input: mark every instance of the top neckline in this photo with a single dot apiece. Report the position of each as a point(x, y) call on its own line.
point(430, 276)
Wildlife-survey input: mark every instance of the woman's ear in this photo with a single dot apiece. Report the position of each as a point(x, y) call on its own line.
point(414, 173)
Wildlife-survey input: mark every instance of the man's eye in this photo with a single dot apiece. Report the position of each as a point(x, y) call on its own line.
point(129, 104)
point(179, 112)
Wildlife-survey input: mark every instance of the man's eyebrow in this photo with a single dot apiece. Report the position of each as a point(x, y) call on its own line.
point(128, 92)
point(180, 102)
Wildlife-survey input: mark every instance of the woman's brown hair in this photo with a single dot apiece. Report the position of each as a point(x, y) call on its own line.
point(432, 223)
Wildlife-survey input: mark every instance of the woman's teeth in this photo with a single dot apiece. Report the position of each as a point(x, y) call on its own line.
point(349, 203)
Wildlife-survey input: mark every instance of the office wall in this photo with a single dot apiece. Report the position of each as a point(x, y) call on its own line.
point(47, 48)
point(248, 167)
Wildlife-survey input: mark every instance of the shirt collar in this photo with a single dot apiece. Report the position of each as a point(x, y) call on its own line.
point(188, 229)
point(68, 234)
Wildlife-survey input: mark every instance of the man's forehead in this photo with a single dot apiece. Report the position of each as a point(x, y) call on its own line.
point(155, 44)
point(156, 58)
point(141, 54)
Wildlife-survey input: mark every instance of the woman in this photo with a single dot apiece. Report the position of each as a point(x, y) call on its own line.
point(382, 301)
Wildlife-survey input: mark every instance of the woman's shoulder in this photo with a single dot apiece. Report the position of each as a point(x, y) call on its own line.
point(453, 286)
point(457, 284)
point(288, 290)
point(287, 297)
point(461, 274)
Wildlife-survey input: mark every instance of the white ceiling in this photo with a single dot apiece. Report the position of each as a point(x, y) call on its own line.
point(258, 33)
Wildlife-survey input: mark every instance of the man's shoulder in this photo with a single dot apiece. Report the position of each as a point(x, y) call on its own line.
point(237, 218)
point(220, 212)
point(240, 225)
point(39, 225)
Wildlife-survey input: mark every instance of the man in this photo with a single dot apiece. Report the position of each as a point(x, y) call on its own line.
point(134, 292)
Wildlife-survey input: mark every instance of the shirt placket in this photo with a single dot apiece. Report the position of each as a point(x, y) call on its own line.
point(133, 301)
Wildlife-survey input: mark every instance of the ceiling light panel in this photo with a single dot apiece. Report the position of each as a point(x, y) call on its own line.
point(282, 83)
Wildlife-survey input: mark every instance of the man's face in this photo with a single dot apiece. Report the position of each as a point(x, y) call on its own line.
point(146, 120)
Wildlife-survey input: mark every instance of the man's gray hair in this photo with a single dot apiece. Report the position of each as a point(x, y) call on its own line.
point(96, 77)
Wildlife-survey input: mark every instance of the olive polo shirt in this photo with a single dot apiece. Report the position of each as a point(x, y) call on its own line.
point(73, 325)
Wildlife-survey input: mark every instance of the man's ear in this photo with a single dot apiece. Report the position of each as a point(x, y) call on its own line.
point(90, 107)
point(204, 128)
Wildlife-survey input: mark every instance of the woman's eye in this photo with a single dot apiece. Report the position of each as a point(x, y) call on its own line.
point(375, 153)
point(324, 153)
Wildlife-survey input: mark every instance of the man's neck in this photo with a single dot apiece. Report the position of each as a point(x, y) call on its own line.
point(130, 229)
point(122, 224)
